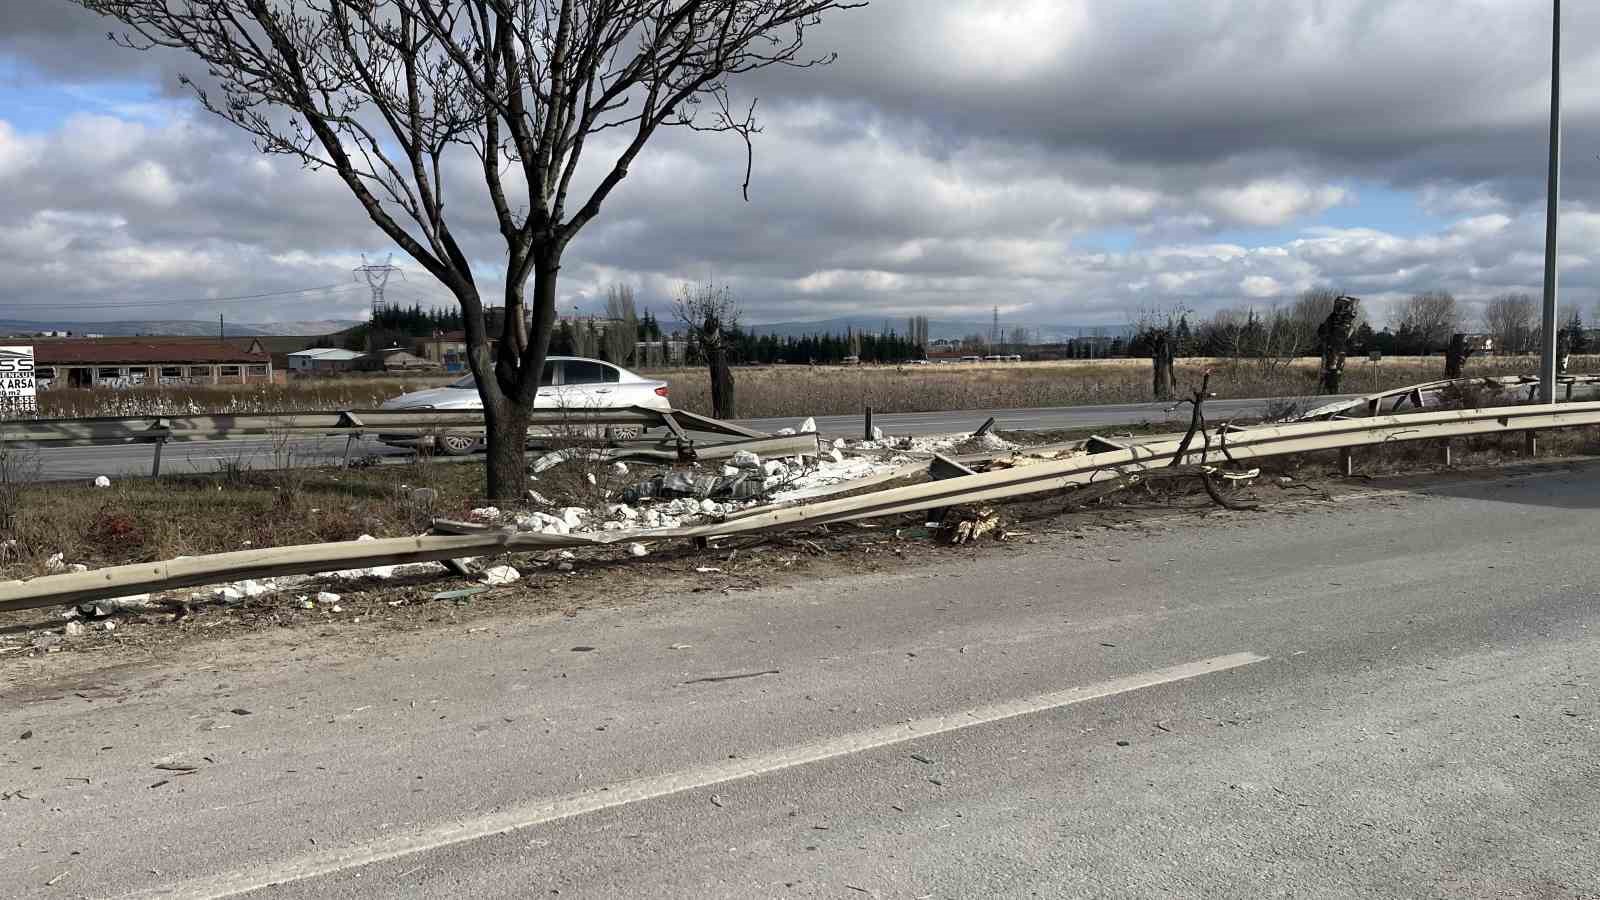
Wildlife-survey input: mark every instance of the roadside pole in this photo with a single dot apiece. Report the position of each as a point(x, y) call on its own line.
point(1547, 337)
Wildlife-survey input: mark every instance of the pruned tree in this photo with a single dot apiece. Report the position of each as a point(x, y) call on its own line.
point(710, 315)
point(1156, 334)
point(622, 323)
point(1333, 340)
point(391, 94)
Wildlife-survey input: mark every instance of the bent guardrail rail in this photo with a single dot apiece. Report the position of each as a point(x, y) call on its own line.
point(1042, 477)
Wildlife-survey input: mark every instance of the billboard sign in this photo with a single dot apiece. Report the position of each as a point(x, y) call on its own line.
point(19, 394)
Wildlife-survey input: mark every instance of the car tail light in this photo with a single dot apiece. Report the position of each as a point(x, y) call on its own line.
point(661, 391)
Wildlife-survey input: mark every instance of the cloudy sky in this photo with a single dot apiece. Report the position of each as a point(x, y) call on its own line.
point(1071, 161)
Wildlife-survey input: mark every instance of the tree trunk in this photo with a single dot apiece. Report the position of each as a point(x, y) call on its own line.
point(723, 403)
point(1161, 361)
point(1455, 357)
point(508, 439)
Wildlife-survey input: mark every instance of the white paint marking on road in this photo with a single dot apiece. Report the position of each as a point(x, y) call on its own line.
point(640, 790)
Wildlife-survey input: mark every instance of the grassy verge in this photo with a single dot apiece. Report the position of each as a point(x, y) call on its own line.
point(140, 519)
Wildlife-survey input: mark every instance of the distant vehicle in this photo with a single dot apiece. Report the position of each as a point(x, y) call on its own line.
point(919, 362)
point(569, 382)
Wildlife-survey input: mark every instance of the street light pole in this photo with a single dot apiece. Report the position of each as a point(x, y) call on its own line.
point(1547, 338)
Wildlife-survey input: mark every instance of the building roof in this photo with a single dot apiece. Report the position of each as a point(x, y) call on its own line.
point(329, 353)
point(138, 351)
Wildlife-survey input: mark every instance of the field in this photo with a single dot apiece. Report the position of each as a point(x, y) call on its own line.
point(836, 390)
point(799, 391)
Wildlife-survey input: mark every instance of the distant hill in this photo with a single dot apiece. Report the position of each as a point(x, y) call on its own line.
point(177, 327)
point(938, 329)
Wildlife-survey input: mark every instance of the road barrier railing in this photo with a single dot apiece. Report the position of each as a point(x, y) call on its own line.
point(1224, 443)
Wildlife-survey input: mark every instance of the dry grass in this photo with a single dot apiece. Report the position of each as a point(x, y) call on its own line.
point(835, 390)
point(828, 390)
point(140, 519)
point(307, 395)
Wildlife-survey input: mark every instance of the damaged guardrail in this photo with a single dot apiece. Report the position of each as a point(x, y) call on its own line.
point(1046, 476)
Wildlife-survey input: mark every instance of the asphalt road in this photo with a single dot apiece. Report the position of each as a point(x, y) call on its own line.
point(66, 463)
point(1392, 698)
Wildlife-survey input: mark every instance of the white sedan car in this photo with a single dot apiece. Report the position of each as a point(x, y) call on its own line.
point(569, 382)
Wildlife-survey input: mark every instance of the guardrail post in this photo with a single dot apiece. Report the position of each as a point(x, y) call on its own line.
point(1347, 462)
point(1444, 453)
point(155, 464)
point(1530, 443)
point(349, 442)
point(866, 434)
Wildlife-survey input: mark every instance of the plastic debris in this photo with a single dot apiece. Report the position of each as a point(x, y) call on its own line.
point(500, 575)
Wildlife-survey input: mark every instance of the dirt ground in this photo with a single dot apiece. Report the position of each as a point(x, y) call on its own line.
point(378, 616)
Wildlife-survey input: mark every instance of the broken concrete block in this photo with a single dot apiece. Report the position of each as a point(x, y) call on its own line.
point(809, 426)
point(102, 482)
point(327, 597)
point(745, 459)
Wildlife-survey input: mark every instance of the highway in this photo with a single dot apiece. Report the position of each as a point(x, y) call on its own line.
point(1394, 697)
point(66, 463)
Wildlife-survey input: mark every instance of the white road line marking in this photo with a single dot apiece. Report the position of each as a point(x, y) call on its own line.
point(639, 790)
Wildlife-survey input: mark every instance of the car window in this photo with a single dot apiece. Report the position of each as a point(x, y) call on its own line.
point(547, 378)
point(586, 371)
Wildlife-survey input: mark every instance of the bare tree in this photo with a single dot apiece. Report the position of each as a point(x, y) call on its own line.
point(389, 94)
point(622, 325)
point(1512, 320)
point(1429, 318)
point(710, 315)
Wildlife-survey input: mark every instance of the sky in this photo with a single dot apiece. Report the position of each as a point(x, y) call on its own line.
point(1068, 161)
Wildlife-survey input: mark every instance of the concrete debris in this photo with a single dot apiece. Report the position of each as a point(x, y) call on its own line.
point(836, 456)
point(589, 477)
point(991, 441)
point(785, 432)
point(839, 444)
point(573, 516)
point(877, 433)
point(637, 550)
point(75, 628)
point(486, 513)
point(101, 608)
point(56, 562)
point(102, 482)
point(729, 471)
point(501, 575)
point(745, 459)
point(543, 523)
point(567, 554)
point(77, 567)
point(809, 426)
point(619, 468)
point(327, 597)
point(745, 485)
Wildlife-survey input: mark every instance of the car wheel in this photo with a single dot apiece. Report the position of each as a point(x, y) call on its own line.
point(624, 432)
point(457, 444)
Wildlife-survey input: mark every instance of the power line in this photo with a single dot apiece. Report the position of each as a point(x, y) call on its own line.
point(142, 304)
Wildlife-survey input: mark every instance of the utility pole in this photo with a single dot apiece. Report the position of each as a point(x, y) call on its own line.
point(1547, 338)
point(222, 330)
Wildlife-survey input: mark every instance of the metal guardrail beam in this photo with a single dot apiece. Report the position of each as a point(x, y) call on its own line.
point(143, 429)
point(1041, 477)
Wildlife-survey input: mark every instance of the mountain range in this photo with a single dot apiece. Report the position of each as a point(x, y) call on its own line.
point(177, 327)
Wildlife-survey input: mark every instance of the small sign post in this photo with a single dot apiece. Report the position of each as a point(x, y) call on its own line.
point(19, 394)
